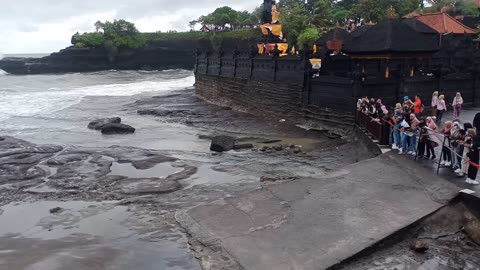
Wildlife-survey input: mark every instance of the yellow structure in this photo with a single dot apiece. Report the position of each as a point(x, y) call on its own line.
point(273, 35)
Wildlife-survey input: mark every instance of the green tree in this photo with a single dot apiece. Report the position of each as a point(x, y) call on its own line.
point(467, 7)
point(93, 40)
point(340, 14)
point(370, 10)
point(99, 25)
point(291, 4)
point(226, 15)
point(323, 15)
point(308, 36)
point(345, 4)
point(123, 34)
point(295, 19)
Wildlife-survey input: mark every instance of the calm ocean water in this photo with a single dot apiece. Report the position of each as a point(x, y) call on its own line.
point(57, 108)
point(28, 55)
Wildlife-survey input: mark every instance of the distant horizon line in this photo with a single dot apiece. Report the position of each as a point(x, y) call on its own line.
point(23, 53)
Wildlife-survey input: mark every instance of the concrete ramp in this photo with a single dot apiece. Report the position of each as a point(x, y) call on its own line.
point(316, 223)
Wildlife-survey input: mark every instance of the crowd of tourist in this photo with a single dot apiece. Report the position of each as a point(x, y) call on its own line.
point(417, 131)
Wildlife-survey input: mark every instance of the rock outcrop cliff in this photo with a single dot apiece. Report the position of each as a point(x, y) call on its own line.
point(156, 55)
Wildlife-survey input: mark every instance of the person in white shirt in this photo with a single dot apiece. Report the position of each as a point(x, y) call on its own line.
point(441, 108)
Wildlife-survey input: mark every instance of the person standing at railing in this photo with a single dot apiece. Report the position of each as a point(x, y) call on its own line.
point(407, 105)
point(457, 106)
point(422, 140)
point(429, 142)
point(417, 105)
point(441, 108)
point(409, 135)
point(434, 103)
point(467, 140)
point(456, 148)
point(447, 154)
point(473, 155)
point(397, 119)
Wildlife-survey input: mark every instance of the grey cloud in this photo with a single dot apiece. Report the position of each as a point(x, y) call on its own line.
point(44, 11)
point(20, 18)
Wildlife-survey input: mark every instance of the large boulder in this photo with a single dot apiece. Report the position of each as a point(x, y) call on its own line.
point(115, 128)
point(99, 123)
point(222, 143)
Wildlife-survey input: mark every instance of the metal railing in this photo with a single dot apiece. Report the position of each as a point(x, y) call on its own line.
point(379, 130)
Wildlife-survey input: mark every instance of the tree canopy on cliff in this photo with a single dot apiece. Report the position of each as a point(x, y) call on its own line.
point(119, 33)
point(223, 16)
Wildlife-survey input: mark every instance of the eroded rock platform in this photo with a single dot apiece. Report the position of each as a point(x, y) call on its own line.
point(318, 223)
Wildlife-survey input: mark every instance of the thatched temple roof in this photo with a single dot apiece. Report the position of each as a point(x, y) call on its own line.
point(393, 36)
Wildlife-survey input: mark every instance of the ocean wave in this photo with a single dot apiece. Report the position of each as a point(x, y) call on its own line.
point(3, 72)
point(130, 89)
point(43, 103)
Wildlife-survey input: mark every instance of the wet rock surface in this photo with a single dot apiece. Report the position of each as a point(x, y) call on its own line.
point(134, 192)
point(99, 123)
point(437, 242)
point(222, 143)
point(114, 128)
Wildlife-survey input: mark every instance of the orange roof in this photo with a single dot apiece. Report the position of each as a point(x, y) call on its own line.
point(444, 23)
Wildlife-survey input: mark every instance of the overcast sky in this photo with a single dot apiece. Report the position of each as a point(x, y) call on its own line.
point(43, 26)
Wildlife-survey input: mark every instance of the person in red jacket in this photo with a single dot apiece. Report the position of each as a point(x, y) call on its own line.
point(417, 105)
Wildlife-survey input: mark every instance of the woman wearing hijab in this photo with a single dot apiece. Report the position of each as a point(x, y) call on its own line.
point(457, 106)
point(397, 120)
point(407, 105)
point(467, 140)
point(474, 154)
point(429, 143)
point(441, 108)
point(410, 135)
point(434, 103)
point(457, 149)
point(447, 154)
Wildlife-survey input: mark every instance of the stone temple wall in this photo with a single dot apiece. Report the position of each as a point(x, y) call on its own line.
point(253, 96)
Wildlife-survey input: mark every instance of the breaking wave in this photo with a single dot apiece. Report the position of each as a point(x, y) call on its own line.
point(52, 96)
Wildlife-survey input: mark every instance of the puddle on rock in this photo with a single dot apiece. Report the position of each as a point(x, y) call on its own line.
point(161, 170)
point(87, 235)
point(35, 220)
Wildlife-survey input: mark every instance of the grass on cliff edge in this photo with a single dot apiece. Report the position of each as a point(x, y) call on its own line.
point(243, 34)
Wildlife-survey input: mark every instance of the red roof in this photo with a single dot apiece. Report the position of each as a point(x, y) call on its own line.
point(444, 23)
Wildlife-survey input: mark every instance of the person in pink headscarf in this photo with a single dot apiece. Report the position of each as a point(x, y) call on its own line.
point(431, 127)
point(457, 106)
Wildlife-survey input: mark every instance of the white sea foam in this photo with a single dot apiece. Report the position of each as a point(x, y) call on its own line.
point(42, 103)
point(3, 72)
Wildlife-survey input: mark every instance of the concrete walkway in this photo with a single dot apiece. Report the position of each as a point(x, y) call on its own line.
point(316, 223)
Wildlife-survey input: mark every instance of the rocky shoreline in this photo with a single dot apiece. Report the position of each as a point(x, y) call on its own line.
point(71, 59)
point(68, 185)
